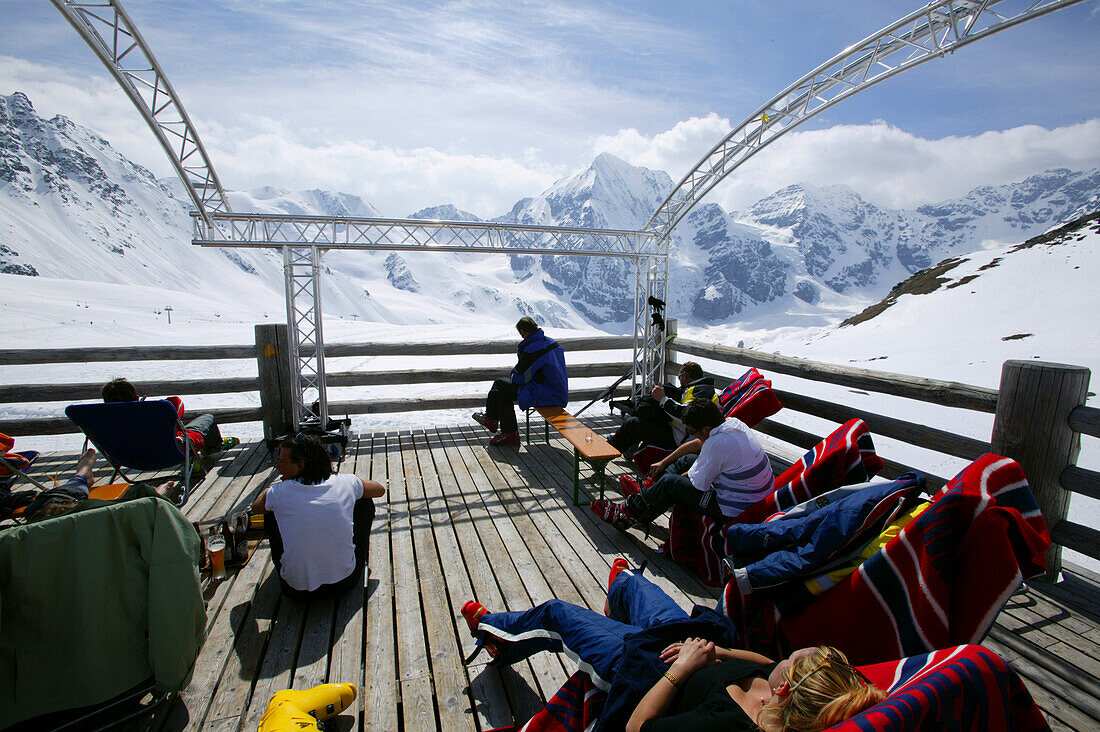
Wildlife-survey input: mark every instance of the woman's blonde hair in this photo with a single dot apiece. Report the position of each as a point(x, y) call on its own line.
point(824, 690)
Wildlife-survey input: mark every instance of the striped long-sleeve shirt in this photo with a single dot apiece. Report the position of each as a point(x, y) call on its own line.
point(734, 464)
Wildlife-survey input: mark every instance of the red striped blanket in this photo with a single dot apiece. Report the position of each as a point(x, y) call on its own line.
point(940, 582)
point(967, 688)
point(845, 457)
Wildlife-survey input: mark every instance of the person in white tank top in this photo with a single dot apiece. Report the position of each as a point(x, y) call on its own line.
point(317, 521)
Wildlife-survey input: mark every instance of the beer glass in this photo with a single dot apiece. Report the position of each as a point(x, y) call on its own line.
point(215, 544)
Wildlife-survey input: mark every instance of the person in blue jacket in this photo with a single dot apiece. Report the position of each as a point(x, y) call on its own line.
point(538, 380)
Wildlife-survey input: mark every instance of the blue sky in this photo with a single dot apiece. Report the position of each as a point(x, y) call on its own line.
point(481, 103)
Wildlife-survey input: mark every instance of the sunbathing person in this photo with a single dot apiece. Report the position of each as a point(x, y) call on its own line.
point(719, 473)
point(538, 380)
point(318, 522)
point(666, 671)
point(202, 430)
point(74, 491)
point(658, 419)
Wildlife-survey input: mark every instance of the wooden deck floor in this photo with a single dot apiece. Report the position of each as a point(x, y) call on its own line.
point(462, 521)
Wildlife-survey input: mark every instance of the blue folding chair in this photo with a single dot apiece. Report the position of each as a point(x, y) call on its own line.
point(139, 436)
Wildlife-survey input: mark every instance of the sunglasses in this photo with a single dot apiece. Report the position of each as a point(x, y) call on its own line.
point(786, 688)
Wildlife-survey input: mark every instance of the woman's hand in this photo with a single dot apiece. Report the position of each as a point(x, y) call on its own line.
point(670, 652)
point(693, 654)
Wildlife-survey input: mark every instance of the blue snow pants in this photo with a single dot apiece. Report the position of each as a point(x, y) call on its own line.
point(594, 642)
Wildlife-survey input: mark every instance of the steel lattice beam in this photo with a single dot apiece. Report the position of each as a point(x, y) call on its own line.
point(301, 268)
point(111, 34)
point(931, 32)
point(341, 232)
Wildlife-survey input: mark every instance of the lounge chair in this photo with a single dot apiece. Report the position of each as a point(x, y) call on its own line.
point(967, 687)
point(845, 457)
point(143, 436)
point(98, 601)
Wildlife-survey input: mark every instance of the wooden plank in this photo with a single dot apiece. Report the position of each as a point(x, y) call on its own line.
point(496, 583)
point(311, 664)
point(25, 356)
point(273, 382)
point(346, 663)
point(82, 391)
point(1031, 426)
point(412, 657)
point(544, 525)
point(380, 692)
point(63, 426)
point(933, 391)
point(580, 436)
point(1085, 420)
point(242, 626)
point(455, 375)
point(610, 542)
point(416, 404)
point(246, 467)
point(488, 697)
point(1081, 480)
point(920, 435)
point(444, 652)
point(1071, 535)
point(463, 348)
point(278, 660)
point(1051, 696)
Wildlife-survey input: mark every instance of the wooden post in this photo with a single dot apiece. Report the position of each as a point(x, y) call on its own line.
point(273, 366)
point(1032, 427)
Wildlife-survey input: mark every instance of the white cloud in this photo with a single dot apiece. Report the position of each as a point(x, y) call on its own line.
point(397, 182)
point(886, 165)
point(675, 151)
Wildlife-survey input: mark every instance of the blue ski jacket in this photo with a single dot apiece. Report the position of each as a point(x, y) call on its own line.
point(540, 373)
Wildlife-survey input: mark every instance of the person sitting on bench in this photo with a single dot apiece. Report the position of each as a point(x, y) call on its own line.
point(538, 380)
point(74, 491)
point(658, 418)
point(318, 522)
point(202, 430)
point(729, 473)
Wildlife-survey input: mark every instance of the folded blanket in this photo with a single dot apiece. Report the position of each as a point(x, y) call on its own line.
point(939, 583)
point(812, 537)
point(749, 398)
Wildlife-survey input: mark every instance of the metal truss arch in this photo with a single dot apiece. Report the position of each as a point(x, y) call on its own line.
point(939, 28)
point(110, 33)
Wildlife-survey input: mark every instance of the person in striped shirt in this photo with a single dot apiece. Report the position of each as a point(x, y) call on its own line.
point(719, 473)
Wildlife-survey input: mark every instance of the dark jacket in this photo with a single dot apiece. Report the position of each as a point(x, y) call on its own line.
point(702, 388)
point(540, 372)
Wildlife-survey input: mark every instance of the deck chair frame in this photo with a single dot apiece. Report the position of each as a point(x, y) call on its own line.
point(188, 455)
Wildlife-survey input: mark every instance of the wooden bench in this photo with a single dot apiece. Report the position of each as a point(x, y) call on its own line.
point(587, 445)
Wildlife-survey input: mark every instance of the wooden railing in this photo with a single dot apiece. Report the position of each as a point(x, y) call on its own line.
point(269, 355)
point(1039, 411)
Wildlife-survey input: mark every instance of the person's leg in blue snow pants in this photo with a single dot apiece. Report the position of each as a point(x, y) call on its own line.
point(593, 641)
point(636, 601)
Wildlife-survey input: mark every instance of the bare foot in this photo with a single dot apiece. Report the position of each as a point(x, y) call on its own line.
point(85, 464)
point(171, 490)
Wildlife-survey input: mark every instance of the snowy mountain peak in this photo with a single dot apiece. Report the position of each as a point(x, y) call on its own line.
point(446, 212)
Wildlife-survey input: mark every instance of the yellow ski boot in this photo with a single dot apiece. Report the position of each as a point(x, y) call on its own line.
point(301, 710)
